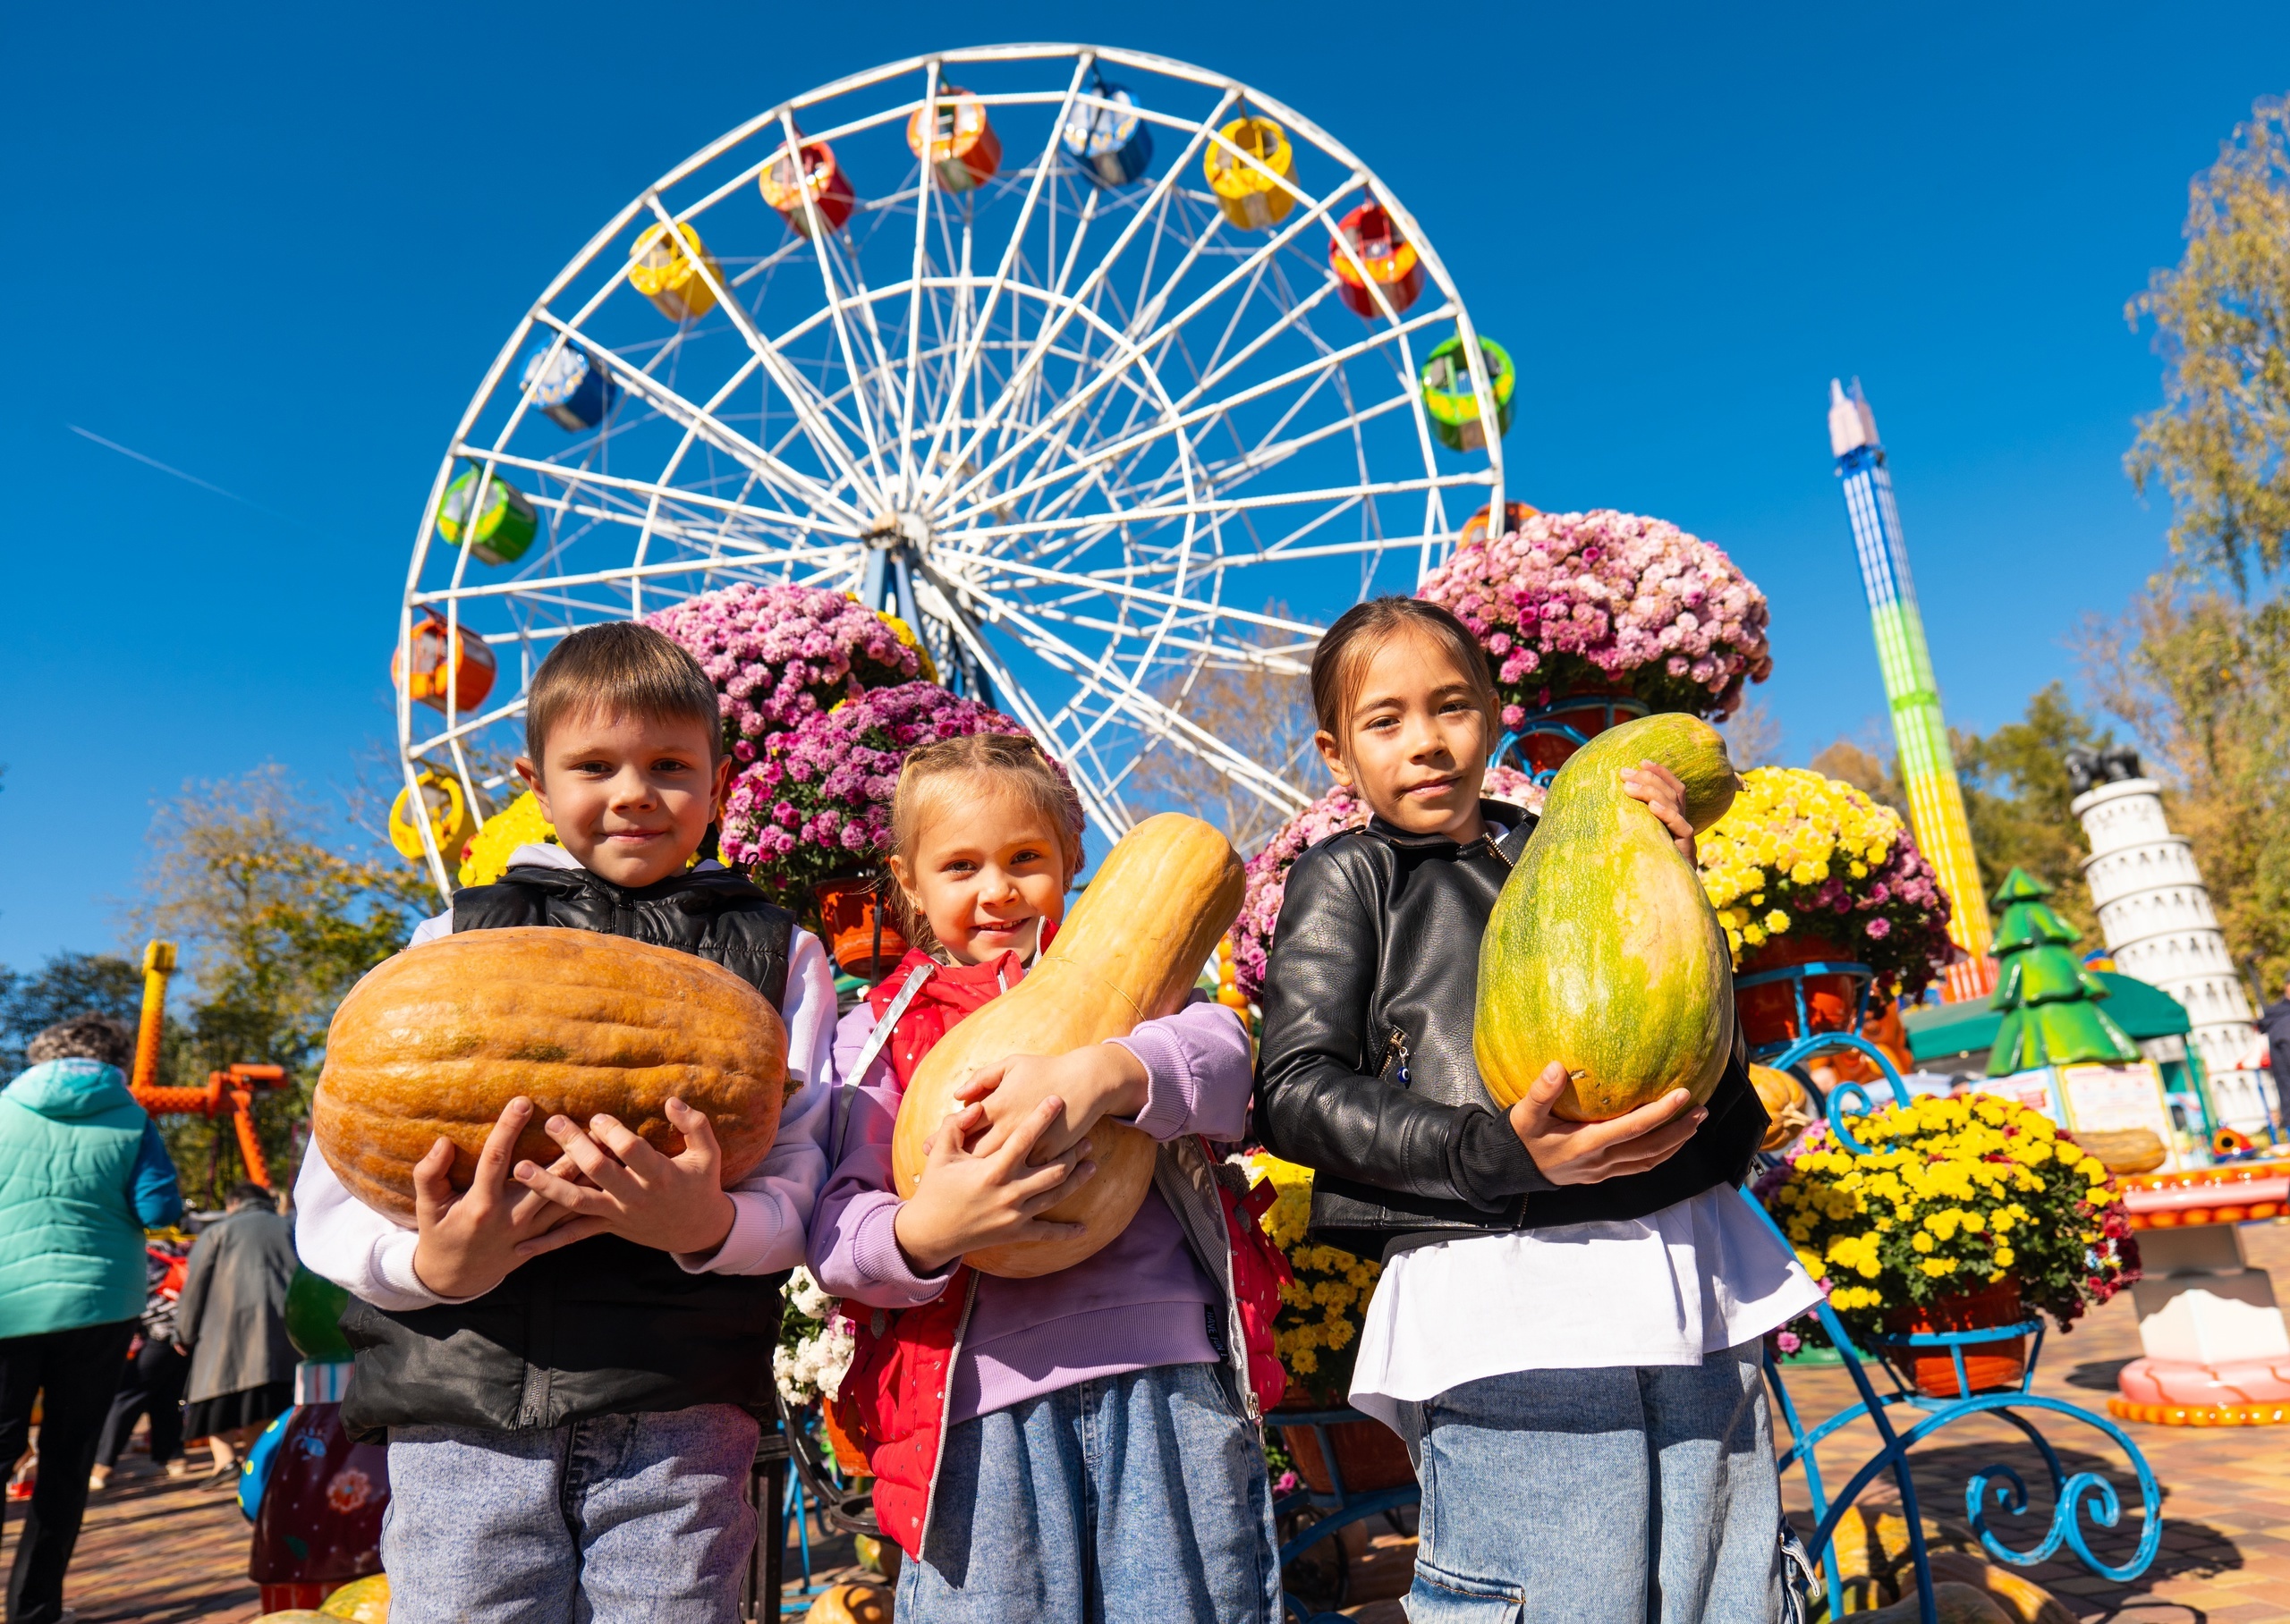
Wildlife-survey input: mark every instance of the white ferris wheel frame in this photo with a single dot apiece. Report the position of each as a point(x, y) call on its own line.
point(825, 525)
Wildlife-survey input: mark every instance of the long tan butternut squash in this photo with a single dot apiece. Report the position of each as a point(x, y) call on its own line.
point(1128, 953)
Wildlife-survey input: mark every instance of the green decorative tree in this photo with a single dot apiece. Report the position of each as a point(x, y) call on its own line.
point(2051, 1012)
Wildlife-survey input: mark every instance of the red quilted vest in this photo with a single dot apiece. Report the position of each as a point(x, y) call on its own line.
point(892, 1402)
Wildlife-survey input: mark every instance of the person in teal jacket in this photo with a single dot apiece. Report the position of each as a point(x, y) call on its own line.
point(82, 1174)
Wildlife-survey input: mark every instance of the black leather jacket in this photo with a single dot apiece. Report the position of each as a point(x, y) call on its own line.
point(1365, 1072)
point(604, 1326)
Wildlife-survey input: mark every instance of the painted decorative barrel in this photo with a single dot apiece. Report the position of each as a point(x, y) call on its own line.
point(787, 178)
point(1247, 167)
point(470, 670)
point(448, 812)
point(666, 271)
point(963, 151)
point(1370, 256)
point(505, 524)
point(1451, 403)
point(571, 387)
point(1106, 139)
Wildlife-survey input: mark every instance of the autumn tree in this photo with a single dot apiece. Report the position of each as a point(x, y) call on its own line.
point(2222, 325)
point(2016, 797)
point(1264, 712)
point(276, 921)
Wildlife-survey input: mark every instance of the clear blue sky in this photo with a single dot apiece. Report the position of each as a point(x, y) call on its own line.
point(276, 247)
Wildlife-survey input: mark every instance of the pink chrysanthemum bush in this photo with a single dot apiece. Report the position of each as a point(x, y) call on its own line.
point(1267, 870)
point(1570, 601)
point(779, 653)
point(818, 804)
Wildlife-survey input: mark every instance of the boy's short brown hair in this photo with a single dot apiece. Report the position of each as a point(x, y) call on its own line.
point(622, 669)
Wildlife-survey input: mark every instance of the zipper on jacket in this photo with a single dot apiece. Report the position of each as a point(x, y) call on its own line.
point(1396, 1047)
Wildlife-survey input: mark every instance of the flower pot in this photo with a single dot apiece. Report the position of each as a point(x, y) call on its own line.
point(860, 935)
point(1367, 1453)
point(849, 1458)
point(1769, 1011)
point(1987, 1365)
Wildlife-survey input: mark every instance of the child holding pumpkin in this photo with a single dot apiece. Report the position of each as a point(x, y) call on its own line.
point(1081, 1444)
point(568, 1361)
point(1566, 1329)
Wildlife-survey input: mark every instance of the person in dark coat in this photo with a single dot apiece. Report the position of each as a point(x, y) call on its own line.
point(156, 1370)
point(232, 1322)
point(2274, 1024)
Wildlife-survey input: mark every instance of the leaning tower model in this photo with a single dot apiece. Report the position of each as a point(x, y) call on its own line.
point(2155, 916)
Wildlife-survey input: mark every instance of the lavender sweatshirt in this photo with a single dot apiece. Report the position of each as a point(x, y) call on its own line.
point(1140, 1302)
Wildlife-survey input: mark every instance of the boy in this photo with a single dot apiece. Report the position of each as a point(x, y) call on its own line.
point(566, 1359)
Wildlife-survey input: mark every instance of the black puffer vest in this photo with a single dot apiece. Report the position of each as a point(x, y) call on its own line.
point(604, 1326)
point(1366, 1074)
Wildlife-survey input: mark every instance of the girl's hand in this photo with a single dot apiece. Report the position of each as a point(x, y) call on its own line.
point(1665, 798)
point(470, 1240)
point(1095, 1080)
point(967, 1200)
point(672, 1204)
point(1585, 1153)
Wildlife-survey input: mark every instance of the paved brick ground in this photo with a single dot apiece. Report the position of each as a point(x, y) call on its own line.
point(163, 1553)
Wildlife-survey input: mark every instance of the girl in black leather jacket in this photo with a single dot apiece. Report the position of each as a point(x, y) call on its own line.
point(1566, 1327)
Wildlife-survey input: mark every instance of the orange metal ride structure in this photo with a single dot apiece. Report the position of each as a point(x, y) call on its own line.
point(226, 1094)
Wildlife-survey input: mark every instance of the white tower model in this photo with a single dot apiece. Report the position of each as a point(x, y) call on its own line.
point(2156, 919)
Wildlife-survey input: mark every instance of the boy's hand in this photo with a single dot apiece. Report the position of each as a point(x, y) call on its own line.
point(471, 1239)
point(967, 1200)
point(1585, 1153)
point(672, 1204)
point(1665, 798)
point(1095, 1080)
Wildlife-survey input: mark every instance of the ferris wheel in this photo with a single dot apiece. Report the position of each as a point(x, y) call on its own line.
point(1100, 371)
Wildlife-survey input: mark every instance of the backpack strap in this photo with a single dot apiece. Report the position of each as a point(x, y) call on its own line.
point(876, 1040)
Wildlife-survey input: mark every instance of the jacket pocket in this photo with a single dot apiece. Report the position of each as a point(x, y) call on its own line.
point(1440, 1597)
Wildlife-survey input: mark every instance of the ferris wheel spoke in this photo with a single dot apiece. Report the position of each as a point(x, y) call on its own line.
point(791, 382)
point(817, 232)
point(1180, 422)
point(1156, 199)
point(1126, 700)
point(973, 577)
point(1043, 172)
point(1246, 269)
point(699, 421)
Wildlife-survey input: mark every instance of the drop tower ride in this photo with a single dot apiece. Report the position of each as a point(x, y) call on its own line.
point(1927, 768)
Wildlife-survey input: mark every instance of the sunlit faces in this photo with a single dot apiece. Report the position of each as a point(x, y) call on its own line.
point(987, 867)
point(631, 797)
point(1414, 742)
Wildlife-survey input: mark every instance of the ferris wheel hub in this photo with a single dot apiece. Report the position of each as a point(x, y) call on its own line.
point(901, 528)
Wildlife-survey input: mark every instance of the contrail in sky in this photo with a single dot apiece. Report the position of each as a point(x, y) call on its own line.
point(154, 462)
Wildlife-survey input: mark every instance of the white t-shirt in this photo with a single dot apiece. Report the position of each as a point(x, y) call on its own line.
point(1694, 1278)
point(370, 1255)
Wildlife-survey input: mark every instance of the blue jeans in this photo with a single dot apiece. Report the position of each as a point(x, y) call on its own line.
point(1137, 1499)
point(621, 1518)
point(1624, 1496)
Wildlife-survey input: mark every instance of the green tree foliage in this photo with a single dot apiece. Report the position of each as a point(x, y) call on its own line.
point(275, 924)
point(2222, 324)
point(2201, 677)
point(2051, 1002)
point(2016, 797)
point(67, 985)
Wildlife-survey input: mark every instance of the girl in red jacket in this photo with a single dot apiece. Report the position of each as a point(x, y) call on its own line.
point(1083, 1445)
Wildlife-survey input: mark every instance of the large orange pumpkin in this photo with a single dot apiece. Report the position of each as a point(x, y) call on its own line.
point(1128, 953)
point(440, 1038)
